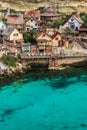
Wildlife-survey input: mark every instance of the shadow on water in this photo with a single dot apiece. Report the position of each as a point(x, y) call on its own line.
point(58, 79)
point(10, 111)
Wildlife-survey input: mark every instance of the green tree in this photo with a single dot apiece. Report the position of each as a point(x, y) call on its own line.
point(26, 37)
point(84, 18)
point(30, 36)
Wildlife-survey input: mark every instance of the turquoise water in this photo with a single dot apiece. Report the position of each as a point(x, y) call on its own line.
point(45, 101)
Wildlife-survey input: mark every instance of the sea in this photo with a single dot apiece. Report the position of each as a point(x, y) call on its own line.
point(45, 100)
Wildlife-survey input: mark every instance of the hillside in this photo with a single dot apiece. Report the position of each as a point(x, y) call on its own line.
point(67, 6)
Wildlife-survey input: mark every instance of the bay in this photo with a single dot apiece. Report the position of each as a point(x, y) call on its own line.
point(45, 100)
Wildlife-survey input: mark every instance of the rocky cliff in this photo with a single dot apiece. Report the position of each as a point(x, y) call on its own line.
point(67, 6)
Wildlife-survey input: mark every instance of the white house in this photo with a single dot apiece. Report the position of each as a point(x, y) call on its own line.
point(31, 24)
point(74, 23)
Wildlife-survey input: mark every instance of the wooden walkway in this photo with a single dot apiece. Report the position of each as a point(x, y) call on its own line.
point(50, 57)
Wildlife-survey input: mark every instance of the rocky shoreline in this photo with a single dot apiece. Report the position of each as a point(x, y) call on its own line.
point(60, 64)
point(21, 69)
point(12, 71)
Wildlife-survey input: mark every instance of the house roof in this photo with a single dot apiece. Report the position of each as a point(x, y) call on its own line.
point(44, 36)
point(55, 34)
point(15, 19)
point(76, 16)
point(8, 31)
point(33, 14)
point(82, 43)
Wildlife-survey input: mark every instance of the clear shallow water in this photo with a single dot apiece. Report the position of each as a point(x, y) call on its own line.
point(45, 101)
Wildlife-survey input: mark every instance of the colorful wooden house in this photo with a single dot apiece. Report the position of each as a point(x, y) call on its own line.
point(49, 15)
point(74, 22)
point(11, 34)
point(44, 43)
point(56, 39)
point(59, 43)
point(15, 20)
point(31, 24)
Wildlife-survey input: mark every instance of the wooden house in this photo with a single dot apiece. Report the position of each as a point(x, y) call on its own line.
point(59, 43)
point(74, 22)
point(11, 34)
point(31, 24)
point(44, 43)
point(50, 15)
point(15, 20)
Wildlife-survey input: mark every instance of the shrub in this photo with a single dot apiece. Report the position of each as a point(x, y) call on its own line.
point(9, 60)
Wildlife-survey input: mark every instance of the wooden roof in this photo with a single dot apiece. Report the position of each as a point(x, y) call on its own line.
point(15, 19)
point(34, 14)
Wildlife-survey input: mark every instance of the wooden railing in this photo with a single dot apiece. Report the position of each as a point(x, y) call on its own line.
point(52, 56)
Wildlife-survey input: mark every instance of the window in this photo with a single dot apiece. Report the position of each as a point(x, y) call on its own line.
point(76, 28)
point(31, 20)
point(31, 26)
point(15, 34)
point(72, 27)
point(72, 19)
point(35, 24)
point(27, 28)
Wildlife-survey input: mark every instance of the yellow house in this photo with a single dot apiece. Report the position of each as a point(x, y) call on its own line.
point(44, 43)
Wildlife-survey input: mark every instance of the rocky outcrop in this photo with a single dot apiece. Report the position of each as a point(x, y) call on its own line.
point(67, 6)
point(20, 68)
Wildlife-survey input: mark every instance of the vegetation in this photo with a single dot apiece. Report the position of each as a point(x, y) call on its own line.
point(18, 57)
point(84, 18)
point(29, 36)
point(57, 23)
point(27, 19)
point(9, 60)
point(42, 9)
